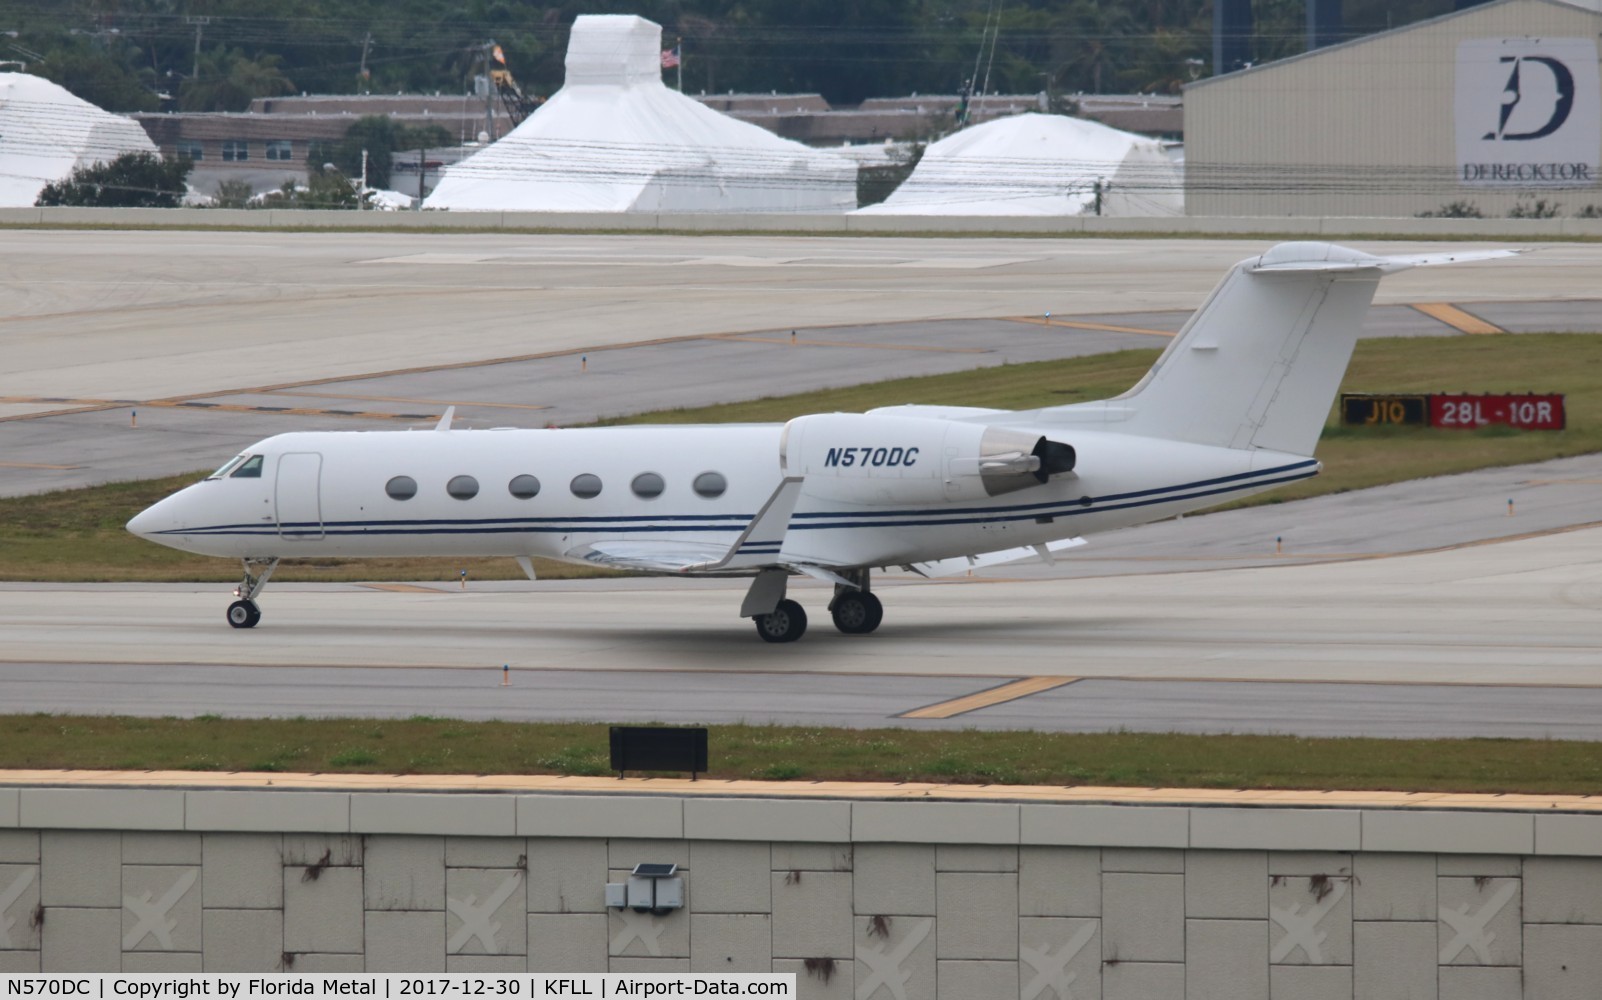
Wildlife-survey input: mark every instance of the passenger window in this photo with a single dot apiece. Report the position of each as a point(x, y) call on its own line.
point(462, 487)
point(250, 470)
point(401, 488)
point(586, 486)
point(710, 485)
point(524, 487)
point(647, 486)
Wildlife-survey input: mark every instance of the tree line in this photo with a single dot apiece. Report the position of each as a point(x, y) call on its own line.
point(218, 55)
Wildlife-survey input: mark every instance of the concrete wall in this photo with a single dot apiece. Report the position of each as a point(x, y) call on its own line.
point(881, 225)
point(861, 897)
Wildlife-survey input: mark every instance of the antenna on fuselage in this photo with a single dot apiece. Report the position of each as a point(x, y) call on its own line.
point(445, 420)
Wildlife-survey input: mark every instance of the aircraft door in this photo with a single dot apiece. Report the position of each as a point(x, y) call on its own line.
point(297, 496)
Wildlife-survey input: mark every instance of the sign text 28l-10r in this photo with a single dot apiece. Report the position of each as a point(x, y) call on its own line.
point(1526, 411)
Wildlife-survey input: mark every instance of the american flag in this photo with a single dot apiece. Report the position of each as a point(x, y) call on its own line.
point(670, 57)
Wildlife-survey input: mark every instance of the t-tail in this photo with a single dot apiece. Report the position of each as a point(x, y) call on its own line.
point(1259, 364)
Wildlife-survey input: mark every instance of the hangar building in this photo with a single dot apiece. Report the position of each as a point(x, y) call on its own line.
point(1496, 106)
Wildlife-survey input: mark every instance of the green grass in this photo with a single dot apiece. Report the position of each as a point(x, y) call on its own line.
point(77, 535)
point(425, 745)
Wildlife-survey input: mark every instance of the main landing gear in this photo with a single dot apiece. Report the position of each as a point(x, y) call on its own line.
point(854, 608)
point(243, 613)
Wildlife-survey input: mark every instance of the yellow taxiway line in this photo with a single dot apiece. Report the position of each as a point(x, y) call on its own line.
point(988, 698)
point(1075, 324)
point(744, 339)
point(1457, 319)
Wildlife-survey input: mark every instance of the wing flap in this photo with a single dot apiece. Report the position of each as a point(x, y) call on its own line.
point(1000, 557)
point(653, 556)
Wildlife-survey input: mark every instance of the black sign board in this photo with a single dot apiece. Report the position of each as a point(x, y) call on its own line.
point(1377, 409)
point(658, 748)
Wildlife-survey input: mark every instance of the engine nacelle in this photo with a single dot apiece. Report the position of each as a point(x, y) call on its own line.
point(880, 459)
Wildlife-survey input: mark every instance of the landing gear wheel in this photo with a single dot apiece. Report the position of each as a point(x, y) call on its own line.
point(243, 614)
point(857, 612)
point(786, 623)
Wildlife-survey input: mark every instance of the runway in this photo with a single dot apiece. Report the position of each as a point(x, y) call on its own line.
point(1485, 639)
point(210, 341)
point(1196, 625)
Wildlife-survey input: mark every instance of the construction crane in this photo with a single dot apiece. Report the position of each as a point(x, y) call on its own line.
point(517, 104)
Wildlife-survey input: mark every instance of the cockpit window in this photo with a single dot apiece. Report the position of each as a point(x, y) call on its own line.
point(228, 467)
point(251, 469)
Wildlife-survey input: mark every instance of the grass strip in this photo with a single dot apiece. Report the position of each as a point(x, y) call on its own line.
point(77, 535)
point(424, 745)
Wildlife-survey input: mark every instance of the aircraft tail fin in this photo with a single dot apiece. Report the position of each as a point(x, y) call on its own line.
point(1259, 364)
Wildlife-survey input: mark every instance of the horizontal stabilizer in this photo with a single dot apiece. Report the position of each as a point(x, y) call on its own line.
point(1282, 260)
point(1000, 557)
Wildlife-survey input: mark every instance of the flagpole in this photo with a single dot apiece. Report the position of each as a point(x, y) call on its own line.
point(680, 66)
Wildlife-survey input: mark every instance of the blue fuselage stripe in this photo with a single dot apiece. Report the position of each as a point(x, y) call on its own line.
point(813, 521)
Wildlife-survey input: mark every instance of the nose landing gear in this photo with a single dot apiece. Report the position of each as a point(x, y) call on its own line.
point(244, 613)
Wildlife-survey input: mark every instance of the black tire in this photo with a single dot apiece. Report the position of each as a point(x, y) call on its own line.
point(857, 612)
point(243, 614)
point(787, 623)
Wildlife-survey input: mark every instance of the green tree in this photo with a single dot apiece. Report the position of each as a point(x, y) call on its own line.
point(132, 180)
point(229, 80)
point(382, 137)
point(233, 194)
point(99, 77)
point(323, 189)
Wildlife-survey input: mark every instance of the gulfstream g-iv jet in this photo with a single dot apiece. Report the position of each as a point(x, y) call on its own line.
point(1234, 406)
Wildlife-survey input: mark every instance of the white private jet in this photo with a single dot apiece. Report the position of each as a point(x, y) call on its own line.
point(1234, 406)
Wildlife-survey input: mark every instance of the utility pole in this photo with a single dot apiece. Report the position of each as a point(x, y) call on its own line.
point(361, 195)
point(489, 91)
point(199, 23)
point(422, 172)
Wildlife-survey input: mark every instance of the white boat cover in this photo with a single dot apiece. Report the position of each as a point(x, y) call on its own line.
point(616, 139)
point(1034, 164)
point(46, 133)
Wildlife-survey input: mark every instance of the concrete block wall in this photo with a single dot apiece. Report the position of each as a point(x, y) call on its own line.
point(861, 898)
point(820, 224)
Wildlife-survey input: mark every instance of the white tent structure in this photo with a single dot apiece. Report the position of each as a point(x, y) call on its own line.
point(1033, 164)
point(615, 139)
point(46, 133)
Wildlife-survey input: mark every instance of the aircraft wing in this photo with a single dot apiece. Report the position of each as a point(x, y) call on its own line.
point(1025, 553)
point(757, 547)
point(652, 556)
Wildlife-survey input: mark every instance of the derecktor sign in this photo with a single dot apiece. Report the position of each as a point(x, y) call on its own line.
point(1529, 113)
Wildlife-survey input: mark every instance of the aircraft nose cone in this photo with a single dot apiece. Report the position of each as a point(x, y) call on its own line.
point(158, 517)
point(143, 523)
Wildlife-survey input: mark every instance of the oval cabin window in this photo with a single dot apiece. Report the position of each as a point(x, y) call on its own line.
point(401, 488)
point(586, 486)
point(710, 485)
point(462, 487)
point(524, 487)
point(648, 486)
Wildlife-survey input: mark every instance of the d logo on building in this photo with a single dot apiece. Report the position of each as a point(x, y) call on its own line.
point(1529, 113)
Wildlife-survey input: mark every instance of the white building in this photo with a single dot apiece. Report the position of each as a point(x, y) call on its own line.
point(615, 139)
point(46, 133)
point(1034, 164)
